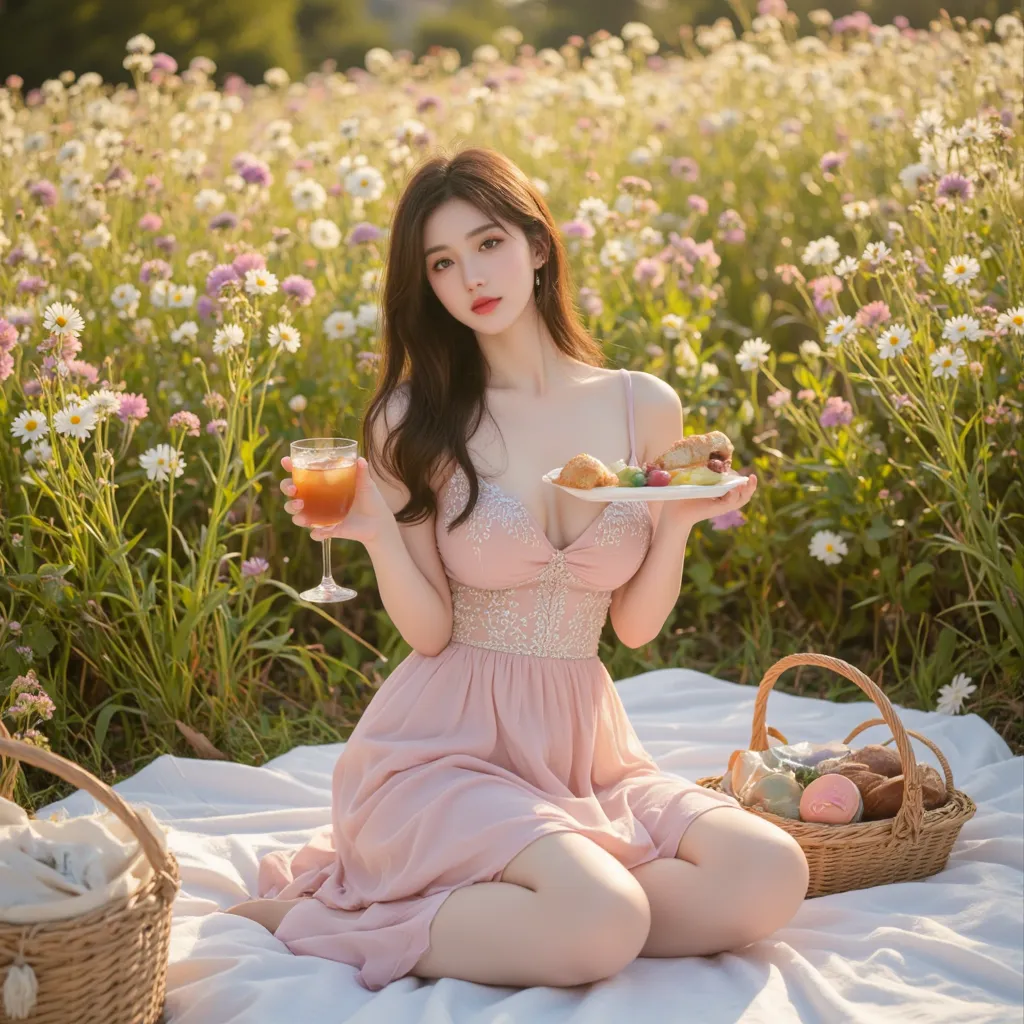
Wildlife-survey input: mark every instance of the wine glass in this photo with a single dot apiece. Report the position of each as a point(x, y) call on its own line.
point(324, 472)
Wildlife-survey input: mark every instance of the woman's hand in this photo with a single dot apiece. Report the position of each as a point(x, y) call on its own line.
point(692, 511)
point(366, 520)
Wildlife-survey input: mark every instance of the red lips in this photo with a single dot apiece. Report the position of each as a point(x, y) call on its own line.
point(484, 304)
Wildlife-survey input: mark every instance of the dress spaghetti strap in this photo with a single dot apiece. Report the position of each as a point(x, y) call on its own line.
point(629, 405)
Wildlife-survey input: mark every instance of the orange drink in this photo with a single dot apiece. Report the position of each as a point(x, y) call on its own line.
point(326, 488)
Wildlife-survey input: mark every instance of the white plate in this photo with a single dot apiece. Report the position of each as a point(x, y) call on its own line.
point(672, 492)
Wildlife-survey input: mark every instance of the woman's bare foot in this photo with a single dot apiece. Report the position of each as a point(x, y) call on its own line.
point(268, 913)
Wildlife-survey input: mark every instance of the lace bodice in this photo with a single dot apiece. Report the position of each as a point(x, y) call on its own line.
point(513, 591)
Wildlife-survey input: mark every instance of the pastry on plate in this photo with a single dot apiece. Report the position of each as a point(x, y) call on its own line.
point(698, 458)
point(584, 472)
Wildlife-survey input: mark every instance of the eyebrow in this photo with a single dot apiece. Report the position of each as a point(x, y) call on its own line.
point(469, 234)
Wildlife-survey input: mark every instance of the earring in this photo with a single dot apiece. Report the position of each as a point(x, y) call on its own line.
point(536, 279)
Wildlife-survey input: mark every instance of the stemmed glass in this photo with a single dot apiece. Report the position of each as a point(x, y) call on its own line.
point(324, 472)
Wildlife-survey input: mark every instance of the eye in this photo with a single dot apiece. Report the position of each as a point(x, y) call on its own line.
point(497, 241)
point(437, 265)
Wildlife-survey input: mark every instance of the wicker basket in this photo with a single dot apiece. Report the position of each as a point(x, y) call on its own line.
point(914, 844)
point(108, 966)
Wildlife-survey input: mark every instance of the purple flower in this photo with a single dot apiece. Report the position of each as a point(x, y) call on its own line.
point(649, 271)
point(299, 287)
point(832, 161)
point(153, 182)
point(216, 426)
point(684, 167)
point(256, 173)
point(825, 289)
point(224, 219)
point(44, 192)
point(32, 285)
point(364, 232)
point(221, 275)
point(859, 21)
point(902, 401)
point(155, 270)
point(151, 222)
point(133, 407)
point(186, 419)
point(248, 261)
point(698, 204)
point(578, 229)
point(6, 365)
point(873, 314)
point(727, 520)
point(590, 302)
point(165, 243)
point(837, 413)
point(83, 370)
point(205, 307)
point(8, 335)
point(426, 103)
point(255, 567)
point(955, 185)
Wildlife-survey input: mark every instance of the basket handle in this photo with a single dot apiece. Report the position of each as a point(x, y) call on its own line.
point(947, 771)
point(83, 779)
point(907, 824)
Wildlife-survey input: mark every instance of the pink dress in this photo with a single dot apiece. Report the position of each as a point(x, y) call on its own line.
point(461, 760)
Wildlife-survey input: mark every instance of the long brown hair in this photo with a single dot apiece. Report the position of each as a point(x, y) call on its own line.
point(434, 358)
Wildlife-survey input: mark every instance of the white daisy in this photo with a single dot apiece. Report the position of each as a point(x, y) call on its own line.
point(366, 315)
point(76, 421)
point(893, 341)
point(39, 454)
point(158, 292)
point(753, 352)
point(671, 325)
point(340, 324)
point(187, 331)
point(286, 335)
point(821, 252)
point(161, 462)
point(857, 210)
point(913, 174)
point(810, 349)
point(947, 361)
point(828, 547)
point(181, 296)
point(954, 693)
point(97, 238)
point(365, 183)
point(324, 234)
point(309, 195)
point(61, 318)
point(846, 267)
point(616, 252)
point(104, 402)
point(593, 210)
point(260, 282)
point(209, 200)
point(961, 270)
point(30, 426)
point(125, 295)
point(839, 329)
point(961, 328)
point(349, 128)
point(875, 252)
point(1012, 320)
point(928, 124)
point(228, 337)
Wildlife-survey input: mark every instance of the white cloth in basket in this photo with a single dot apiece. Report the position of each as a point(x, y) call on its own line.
point(63, 867)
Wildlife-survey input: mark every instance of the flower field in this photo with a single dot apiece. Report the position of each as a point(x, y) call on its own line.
point(816, 239)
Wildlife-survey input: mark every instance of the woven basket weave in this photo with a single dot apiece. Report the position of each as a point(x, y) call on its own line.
point(914, 844)
point(108, 966)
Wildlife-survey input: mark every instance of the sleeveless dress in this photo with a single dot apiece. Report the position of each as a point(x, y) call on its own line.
point(461, 760)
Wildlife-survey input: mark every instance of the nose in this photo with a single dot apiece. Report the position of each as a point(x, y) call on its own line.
point(473, 277)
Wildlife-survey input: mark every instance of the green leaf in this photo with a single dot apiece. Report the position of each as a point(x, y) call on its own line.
point(39, 638)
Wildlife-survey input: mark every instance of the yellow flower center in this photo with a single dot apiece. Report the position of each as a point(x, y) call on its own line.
point(75, 419)
point(961, 269)
point(31, 425)
point(61, 321)
point(947, 361)
point(828, 547)
point(1018, 320)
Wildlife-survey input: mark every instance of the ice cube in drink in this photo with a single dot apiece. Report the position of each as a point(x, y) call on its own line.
point(327, 488)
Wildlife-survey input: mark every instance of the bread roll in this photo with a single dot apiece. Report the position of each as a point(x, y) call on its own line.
point(695, 450)
point(584, 472)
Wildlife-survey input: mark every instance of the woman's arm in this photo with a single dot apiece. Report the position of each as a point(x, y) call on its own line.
point(410, 575)
point(640, 607)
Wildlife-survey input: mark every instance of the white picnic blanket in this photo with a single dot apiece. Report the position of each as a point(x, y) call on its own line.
point(945, 950)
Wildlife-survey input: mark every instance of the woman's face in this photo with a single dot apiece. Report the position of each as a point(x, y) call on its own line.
point(470, 258)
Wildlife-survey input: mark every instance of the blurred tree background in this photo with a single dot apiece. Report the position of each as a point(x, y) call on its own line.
point(41, 38)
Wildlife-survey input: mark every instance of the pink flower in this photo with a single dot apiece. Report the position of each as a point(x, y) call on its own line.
point(806, 395)
point(364, 232)
point(186, 419)
point(150, 222)
point(837, 413)
point(216, 426)
point(133, 407)
point(299, 288)
point(684, 167)
point(698, 204)
point(873, 314)
point(649, 271)
point(780, 398)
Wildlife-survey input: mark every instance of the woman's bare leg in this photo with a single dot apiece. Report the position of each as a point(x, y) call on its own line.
point(564, 913)
point(736, 879)
point(265, 912)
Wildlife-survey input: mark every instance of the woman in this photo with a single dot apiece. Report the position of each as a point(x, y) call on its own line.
point(495, 817)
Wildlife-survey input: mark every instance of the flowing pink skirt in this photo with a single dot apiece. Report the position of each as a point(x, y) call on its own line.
point(459, 763)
